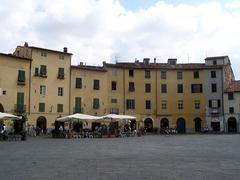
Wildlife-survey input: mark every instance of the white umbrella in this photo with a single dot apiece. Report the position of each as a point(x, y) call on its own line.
point(118, 116)
point(77, 117)
point(8, 116)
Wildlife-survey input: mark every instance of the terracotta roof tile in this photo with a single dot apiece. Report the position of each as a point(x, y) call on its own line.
point(92, 68)
point(234, 86)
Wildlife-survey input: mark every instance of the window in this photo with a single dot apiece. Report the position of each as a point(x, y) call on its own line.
point(21, 76)
point(131, 72)
point(215, 103)
point(42, 90)
point(114, 85)
point(180, 104)
point(197, 104)
point(114, 111)
point(231, 110)
point(180, 88)
point(230, 96)
point(36, 72)
point(43, 53)
point(131, 87)
point(60, 91)
point(196, 74)
point(179, 75)
point(163, 75)
point(148, 104)
point(43, 70)
point(61, 56)
point(214, 62)
point(164, 88)
point(96, 84)
point(147, 73)
point(214, 87)
point(164, 104)
point(60, 108)
point(147, 88)
point(130, 104)
point(20, 102)
point(78, 105)
point(60, 73)
point(96, 104)
point(114, 72)
point(113, 100)
point(196, 88)
point(41, 107)
point(78, 82)
point(213, 74)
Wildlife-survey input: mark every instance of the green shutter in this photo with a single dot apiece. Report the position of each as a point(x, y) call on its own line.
point(96, 103)
point(78, 104)
point(60, 108)
point(41, 107)
point(20, 98)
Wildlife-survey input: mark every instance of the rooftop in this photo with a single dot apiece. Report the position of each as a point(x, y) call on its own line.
point(17, 57)
point(234, 86)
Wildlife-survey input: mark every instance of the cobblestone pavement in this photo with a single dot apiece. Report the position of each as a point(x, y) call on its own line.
point(149, 157)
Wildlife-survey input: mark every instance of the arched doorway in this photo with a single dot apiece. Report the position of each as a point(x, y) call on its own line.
point(148, 125)
point(41, 125)
point(198, 125)
point(1, 108)
point(232, 124)
point(164, 123)
point(181, 126)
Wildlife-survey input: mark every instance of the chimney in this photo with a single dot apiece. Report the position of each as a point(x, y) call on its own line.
point(81, 64)
point(172, 61)
point(146, 60)
point(65, 49)
point(155, 60)
point(25, 44)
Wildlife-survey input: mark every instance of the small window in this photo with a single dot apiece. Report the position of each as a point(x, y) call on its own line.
point(60, 73)
point(131, 87)
point(213, 74)
point(179, 75)
point(113, 100)
point(130, 104)
point(215, 103)
point(180, 88)
point(164, 88)
point(231, 110)
point(180, 104)
point(60, 108)
point(214, 87)
point(196, 74)
point(230, 96)
point(147, 88)
point(44, 53)
point(41, 107)
point(36, 72)
point(114, 72)
point(164, 104)
point(42, 90)
point(61, 56)
point(148, 104)
point(114, 85)
point(196, 88)
point(214, 62)
point(131, 72)
point(21, 76)
point(147, 73)
point(96, 84)
point(60, 91)
point(163, 75)
point(96, 104)
point(79, 83)
point(197, 104)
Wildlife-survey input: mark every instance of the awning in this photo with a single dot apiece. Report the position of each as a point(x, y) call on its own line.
point(77, 117)
point(8, 116)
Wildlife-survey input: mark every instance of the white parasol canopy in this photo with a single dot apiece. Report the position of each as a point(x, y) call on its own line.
point(8, 116)
point(118, 117)
point(78, 117)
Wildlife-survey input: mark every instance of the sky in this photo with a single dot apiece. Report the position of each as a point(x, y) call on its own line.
point(125, 30)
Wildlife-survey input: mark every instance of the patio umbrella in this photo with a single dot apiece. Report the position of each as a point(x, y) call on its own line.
point(78, 117)
point(4, 116)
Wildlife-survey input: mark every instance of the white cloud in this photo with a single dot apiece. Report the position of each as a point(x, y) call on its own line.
point(97, 30)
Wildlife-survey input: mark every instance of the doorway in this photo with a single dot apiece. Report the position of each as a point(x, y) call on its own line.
point(181, 126)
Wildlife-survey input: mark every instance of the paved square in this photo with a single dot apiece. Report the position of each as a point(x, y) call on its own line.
point(148, 157)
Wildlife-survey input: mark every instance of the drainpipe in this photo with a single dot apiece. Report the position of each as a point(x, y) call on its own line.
point(123, 91)
point(70, 88)
point(223, 113)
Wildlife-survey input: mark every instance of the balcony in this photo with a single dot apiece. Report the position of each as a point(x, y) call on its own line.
point(77, 110)
point(19, 108)
point(44, 75)
point(60, 76)
point(214, 111)
point(21, 82)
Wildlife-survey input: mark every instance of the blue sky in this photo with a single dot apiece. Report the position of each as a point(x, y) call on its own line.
point(101, 30)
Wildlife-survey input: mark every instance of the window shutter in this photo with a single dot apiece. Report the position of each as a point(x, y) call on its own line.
point(219, 103)
point(201, 88)
point(78, 83)
point(21, 76)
